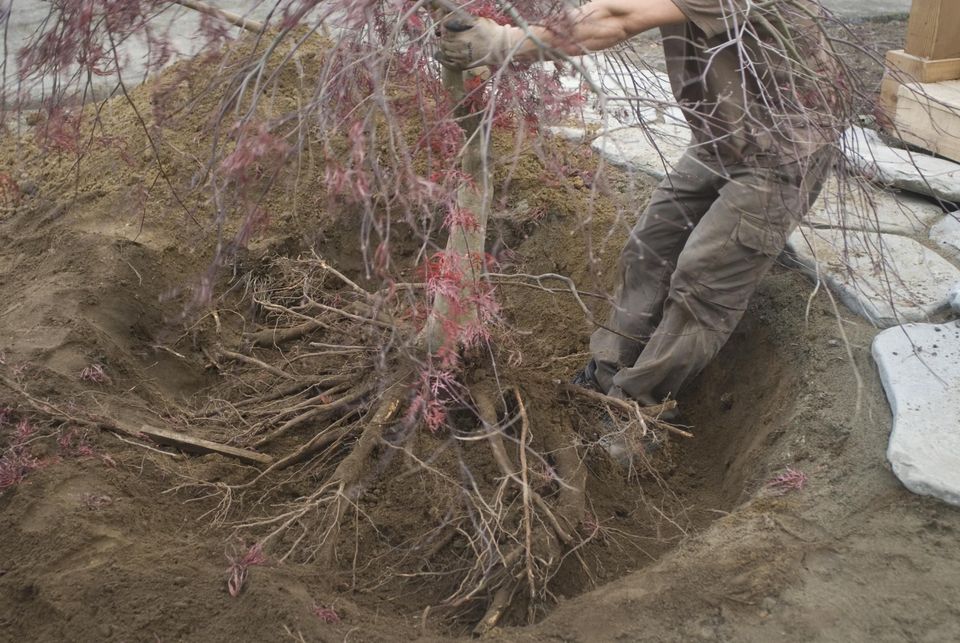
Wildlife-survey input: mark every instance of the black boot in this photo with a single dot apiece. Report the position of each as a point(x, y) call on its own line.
point(586, 377)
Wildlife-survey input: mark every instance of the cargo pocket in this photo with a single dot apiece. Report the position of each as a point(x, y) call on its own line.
point(759, 237)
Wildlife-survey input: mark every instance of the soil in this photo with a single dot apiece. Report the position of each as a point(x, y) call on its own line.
point(107, 537)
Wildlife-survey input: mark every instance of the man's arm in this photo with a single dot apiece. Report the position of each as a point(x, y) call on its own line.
point(594, 26)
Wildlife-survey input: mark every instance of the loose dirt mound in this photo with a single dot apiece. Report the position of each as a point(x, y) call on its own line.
point(777, 517)
point(105, 251)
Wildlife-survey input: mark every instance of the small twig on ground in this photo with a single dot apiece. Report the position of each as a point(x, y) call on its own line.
point(197, 445)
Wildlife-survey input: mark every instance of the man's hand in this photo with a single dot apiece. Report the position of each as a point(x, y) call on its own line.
point(468, 43)
point(471, 42)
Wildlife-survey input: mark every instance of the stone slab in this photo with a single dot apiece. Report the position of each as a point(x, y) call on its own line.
point(856, 205)
point(652, 151)
point(919, 366)
point(909, 171)
point(647, 134)
point(653, 97)
point(946, 234)
point(888, 279)
point(568, 132)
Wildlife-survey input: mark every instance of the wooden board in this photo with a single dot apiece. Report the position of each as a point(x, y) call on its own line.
point(889, 89)
point(196, 445)
point(928, 116)
point(908, 68)
point(934, 29)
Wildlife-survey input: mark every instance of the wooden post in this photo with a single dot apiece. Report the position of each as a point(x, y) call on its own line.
point(934, 29)
point(931, 53)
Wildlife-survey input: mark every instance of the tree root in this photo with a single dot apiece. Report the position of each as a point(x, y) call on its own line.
point(643, 414)
point(498, 607)
point(246, 359)
point(315, 413)
point(320, 441)
point(276, 337)
point(511, 522)
point(293, 388)
point(349, 474)
point(547, 529)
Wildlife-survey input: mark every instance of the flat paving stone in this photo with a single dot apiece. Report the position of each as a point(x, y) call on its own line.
point(568, 132)
point(647, 136)
point(886, 278)
point(855, 205)
point(946, 234)
point(909, 171)
point(650, 91)
point(920, 369)
point(652, 150)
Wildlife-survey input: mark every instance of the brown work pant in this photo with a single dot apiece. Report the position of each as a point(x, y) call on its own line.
point(691, 265)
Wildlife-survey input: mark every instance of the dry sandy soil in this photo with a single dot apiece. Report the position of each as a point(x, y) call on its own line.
point(109, 538)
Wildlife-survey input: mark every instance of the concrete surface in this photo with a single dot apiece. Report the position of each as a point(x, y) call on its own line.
point(652, 150)
point(920, 369)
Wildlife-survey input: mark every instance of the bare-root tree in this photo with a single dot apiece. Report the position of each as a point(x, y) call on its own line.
point(401, 366)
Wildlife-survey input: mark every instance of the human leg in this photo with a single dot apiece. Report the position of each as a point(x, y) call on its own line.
point(718, 270)
point(646, 263)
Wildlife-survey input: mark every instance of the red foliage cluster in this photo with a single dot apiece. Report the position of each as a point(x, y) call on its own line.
point(326, 614)
point(258, 152)
point(60, 130)
point(789, 480)
point(73, 443)
point(94, 373)
point(240, 564)
point(473, 311)
point(457, 279)
point(17, 460)
point(523, 93)
point(15, 464)
point(81, 37)
point(444, 138)
point(437, 386)
point(20, 457)
point(9, 190)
